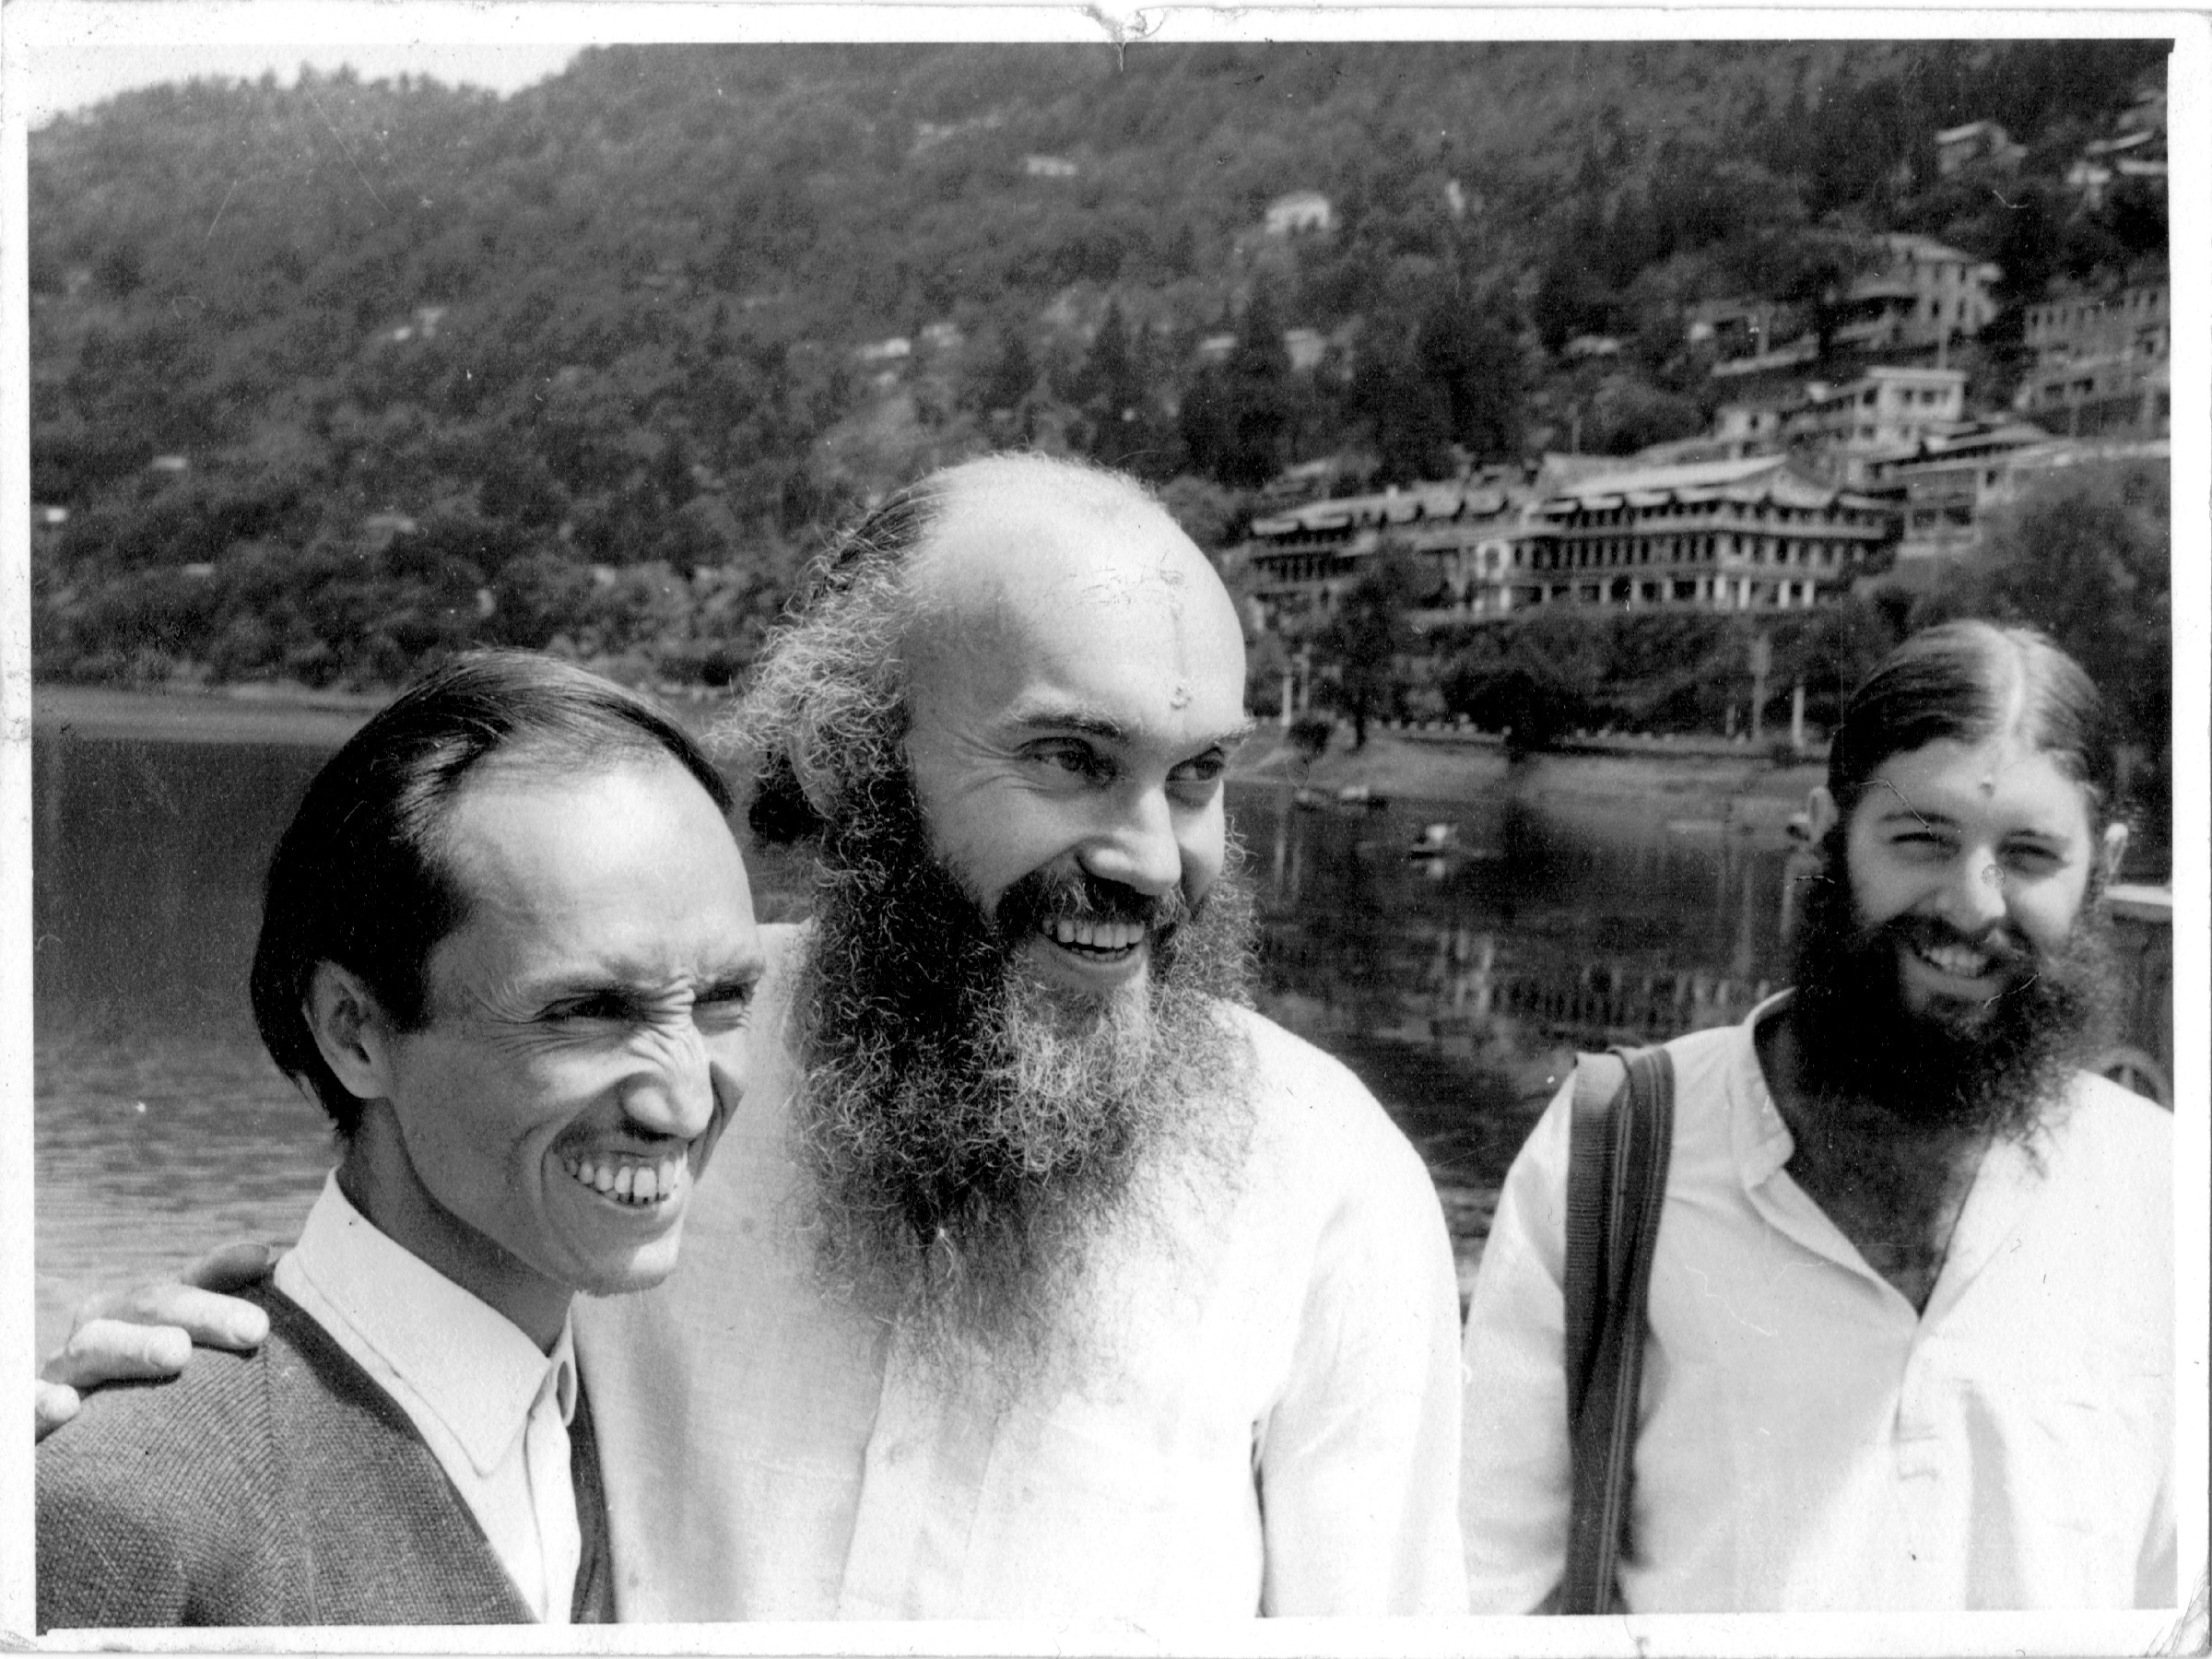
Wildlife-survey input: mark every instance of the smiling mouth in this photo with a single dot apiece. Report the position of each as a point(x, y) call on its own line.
point(635, 1183)
point(1095, 941)
point(1959, 961)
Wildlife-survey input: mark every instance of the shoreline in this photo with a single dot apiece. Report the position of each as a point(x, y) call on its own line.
point(1641, 781)
point(1444, 768)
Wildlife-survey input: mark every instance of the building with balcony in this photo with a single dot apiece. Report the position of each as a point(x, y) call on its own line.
point(2101, 361)
point(1756, 534)
point(1468, 540)
point(1886, 409)
point(1940, 490)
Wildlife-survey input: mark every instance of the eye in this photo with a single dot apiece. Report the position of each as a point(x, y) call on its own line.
point(1195, 779)
point(591, 1006)
point(2033, 859)
point(722, 1008)
point(1075, 759)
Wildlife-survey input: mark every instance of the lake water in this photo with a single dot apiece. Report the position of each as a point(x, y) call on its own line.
point(1456, 987)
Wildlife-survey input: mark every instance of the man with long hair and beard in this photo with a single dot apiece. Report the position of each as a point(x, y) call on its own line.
point(1049, 1280)
point(1908, 1344)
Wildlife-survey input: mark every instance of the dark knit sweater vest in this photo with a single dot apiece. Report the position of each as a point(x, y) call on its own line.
point(277, 1488)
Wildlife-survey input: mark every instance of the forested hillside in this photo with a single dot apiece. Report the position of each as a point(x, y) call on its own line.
point(331, 378)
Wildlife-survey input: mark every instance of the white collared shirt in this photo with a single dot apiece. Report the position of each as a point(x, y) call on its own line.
point(467, 1378)
point(1807, 1441)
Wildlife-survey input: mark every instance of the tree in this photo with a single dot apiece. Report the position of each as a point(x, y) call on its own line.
point(1364, 640)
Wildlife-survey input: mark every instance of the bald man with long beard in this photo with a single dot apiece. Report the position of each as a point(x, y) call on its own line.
point(1038, 1275)
point(1049, 1280)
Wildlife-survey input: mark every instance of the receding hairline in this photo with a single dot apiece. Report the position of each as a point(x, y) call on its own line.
point(1038, 489)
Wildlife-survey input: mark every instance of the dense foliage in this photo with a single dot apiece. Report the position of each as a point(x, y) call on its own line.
point(583, 368)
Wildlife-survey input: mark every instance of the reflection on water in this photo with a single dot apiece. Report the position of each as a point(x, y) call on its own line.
point(1455, 985)
point(1459, 983)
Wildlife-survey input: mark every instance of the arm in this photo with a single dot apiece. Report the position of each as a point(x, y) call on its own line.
point(150, 1331)
point(1359, 1459)
point(1515, 1480)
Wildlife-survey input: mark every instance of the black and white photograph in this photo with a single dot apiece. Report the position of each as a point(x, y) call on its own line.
point(1077, 826)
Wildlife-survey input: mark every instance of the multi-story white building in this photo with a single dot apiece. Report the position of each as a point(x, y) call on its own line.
point(1885, 408)
point(1750, 533)
point(1756, 534)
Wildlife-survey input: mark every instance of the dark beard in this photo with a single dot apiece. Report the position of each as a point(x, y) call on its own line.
point(971, 1134)
point(1959, 1073)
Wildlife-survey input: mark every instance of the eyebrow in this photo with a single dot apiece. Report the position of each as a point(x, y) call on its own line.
point(1089, 723)
point(616, 980)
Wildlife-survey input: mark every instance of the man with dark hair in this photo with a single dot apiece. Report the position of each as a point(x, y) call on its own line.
point(1909, 1335)
point(508, 942)
point(1042, 1277)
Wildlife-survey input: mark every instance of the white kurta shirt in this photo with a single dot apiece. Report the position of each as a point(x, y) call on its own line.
point(1808, 1440)
point(1277, 1430)
point(469, 1380)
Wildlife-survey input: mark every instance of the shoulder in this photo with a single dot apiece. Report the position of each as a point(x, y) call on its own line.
point(1315, 1118)
point(149, 1485)
point(184, 1429)
point(2115, 1138)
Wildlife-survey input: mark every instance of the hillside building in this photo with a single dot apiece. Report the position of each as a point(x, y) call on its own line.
point(1885, 408)
point(1923, 294)
point(2100, 361)
point(1940, 489)
point(1300, 210)
point(1960, 148)
point(1757, 533)
point(1468, 540)
point(1754, 534)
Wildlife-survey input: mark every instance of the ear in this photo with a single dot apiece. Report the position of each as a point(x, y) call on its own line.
point(2113, 851)
point(1820, 814)
point(351, 1031)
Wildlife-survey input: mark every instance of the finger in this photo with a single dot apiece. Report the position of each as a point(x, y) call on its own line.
point(204, 1316)
point(233, 1268)
point(110, 1350)
point(57, 1405)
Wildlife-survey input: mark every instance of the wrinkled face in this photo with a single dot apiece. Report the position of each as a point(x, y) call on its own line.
point(1975, 859)
point(585, 1039)
point(1073, 711)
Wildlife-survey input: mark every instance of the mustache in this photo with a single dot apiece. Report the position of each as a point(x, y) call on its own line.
point(1054, 894)
point(2004, 946)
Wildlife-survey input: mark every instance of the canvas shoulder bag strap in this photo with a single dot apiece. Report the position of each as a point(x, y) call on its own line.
point(1621, 1135)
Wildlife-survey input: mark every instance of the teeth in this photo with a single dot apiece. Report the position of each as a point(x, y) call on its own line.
point(1958, 961)
point(1095, 935)
point(638, 1184)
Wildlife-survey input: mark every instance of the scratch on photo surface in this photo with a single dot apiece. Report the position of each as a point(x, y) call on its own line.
point(218, 211)
point(1706, 1289)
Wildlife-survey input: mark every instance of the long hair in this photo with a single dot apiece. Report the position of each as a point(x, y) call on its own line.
point(1969, 681)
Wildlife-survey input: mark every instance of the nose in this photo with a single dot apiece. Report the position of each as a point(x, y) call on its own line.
point(1138, 847)
point(673, 1092)
point(1973, 895)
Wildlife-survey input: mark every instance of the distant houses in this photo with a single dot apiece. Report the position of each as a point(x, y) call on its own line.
point(2101, 359)
point(1959, 148)
point(1300, 210)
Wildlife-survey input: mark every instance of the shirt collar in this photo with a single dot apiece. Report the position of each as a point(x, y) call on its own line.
point(472, 1366)
point(1760, 1137)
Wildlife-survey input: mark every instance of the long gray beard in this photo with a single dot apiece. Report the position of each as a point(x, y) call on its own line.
point(980, 1142)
